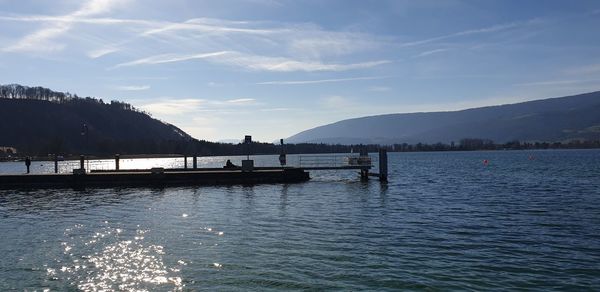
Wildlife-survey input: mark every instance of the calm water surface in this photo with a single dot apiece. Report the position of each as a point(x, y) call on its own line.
point(529, 219)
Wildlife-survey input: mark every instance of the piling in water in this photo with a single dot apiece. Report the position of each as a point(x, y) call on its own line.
point(383, 165)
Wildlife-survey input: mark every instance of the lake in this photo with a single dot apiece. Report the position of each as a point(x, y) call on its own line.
point(445, 220)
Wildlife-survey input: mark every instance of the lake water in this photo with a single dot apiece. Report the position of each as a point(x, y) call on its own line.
point(526, 220)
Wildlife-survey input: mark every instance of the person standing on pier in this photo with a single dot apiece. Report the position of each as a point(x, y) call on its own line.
point(28, 163)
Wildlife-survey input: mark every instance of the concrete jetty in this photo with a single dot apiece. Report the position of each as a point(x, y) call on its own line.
point(247, 174)
point(154, 178)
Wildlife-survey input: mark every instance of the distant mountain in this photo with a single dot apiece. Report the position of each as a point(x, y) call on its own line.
point(39, 120)
point(554, 119)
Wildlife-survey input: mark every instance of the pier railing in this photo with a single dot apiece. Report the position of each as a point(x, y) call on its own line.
point(333, 161)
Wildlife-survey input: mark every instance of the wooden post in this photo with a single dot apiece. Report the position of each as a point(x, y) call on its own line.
point(383, 165)
point(185, 162)
point(195, 161)
point(117, 161)
point(55, 163)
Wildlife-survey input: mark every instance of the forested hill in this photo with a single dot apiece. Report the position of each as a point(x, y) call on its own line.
point(38, 120)
point(560, 119)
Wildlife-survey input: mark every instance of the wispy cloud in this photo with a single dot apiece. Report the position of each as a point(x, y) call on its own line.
point(169, 58)
point(253, 62)
point(431, 52)
point(300, 82)
point(39, 41)
point(282, 64)
point(241, 100)
point(101, 52)
point(490, 29)
point(132, 87)
point(250, 45)
point(70, 18)
point(42, 39)
point(205, 25)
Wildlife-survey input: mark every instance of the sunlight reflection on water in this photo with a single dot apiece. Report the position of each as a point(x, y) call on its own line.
point(107, 260)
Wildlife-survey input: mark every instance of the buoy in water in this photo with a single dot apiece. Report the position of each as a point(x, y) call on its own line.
point(485, 162)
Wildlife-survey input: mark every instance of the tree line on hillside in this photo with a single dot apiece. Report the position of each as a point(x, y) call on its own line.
point(16, 91)
point(472, 144)
point(205, 148)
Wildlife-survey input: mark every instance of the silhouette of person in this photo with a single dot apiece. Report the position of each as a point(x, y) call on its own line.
point(27, 163)
point(228, 164)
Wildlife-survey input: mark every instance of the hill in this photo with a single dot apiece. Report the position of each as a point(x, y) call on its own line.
point(38, 120)
point(554, 119)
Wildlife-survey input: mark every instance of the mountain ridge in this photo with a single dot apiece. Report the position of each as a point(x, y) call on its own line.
point(553, 119)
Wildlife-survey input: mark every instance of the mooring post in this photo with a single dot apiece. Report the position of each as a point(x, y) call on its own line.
point(195, 161)
point(364, 172)
point(117, 161)
point(185, 162)
point(55, 163)
point(383, 165)
point(282, 158)
point(81, 162)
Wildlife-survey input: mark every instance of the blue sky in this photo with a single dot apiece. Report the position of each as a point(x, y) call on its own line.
point(272, 68)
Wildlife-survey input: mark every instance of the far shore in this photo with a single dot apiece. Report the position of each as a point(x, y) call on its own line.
point(50, 157)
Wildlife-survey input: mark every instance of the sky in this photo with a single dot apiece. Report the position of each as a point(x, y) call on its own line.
point(273, 68)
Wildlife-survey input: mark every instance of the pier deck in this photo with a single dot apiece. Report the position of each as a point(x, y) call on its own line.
point(152, 178)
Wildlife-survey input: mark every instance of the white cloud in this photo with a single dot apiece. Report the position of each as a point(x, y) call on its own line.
point(133, 87)
point(242, 100)
point(168, 106)
point(173, 106)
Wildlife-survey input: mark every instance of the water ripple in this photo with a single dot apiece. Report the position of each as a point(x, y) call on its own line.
point(443, 222)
